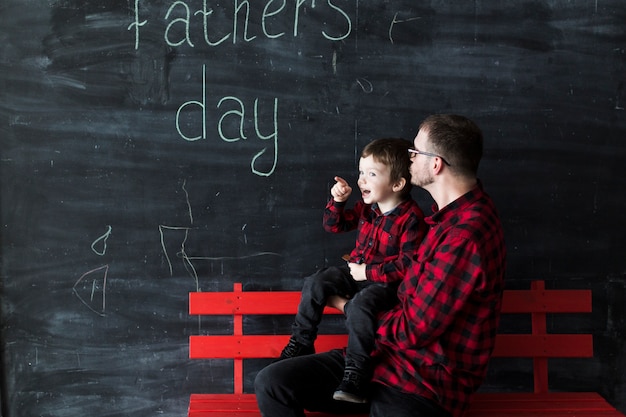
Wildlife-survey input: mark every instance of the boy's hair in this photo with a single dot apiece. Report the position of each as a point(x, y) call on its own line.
point(394, 153)
point(457, 139)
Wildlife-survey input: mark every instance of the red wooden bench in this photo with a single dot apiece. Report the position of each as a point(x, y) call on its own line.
point(538, 345)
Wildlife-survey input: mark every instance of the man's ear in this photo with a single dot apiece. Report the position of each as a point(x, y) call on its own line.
point(399, 185)
point(437, 165)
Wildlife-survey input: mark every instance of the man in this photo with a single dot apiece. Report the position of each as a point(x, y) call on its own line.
point(432, 349)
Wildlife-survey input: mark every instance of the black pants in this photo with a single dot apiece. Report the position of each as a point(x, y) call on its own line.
point(287, 387)
point(367, 299)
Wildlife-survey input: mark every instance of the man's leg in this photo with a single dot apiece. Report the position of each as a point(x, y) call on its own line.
point(388, 401)
point(286, 388)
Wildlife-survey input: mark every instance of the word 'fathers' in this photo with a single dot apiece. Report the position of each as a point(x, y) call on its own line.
point(189, 27)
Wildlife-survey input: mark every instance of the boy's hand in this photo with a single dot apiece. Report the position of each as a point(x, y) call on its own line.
point(357, 271)
point(341, 190)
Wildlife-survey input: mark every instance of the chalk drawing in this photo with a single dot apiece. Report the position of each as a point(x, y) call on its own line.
point(102, 239)
point(181, 252)
point(396, 21)
point(92, 284)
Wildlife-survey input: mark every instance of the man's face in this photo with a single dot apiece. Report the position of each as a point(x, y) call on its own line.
point(421, 174)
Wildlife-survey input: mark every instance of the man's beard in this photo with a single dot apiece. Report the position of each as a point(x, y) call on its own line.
point(422, 179)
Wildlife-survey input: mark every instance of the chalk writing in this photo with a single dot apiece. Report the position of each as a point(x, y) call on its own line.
point(184, 22)
point(137, 24)
point(236, 112)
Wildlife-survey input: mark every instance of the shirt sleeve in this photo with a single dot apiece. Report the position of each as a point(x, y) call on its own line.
point(437, 292)
point(338, 219)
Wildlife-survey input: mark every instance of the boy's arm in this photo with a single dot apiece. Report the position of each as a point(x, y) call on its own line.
point(336, 218)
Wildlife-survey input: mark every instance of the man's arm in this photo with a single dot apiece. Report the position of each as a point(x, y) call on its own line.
point(437, 290)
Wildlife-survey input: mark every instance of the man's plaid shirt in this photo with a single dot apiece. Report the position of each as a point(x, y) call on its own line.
point(437, 342)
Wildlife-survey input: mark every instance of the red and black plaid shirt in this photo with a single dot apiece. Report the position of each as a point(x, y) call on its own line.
point(437, 342)
point(387, 243)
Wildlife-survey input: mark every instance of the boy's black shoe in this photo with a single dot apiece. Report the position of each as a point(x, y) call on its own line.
point(353, 387)
point(295, 348)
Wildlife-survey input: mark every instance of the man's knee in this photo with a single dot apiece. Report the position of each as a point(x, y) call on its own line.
point(362, 303)
point(263, 381)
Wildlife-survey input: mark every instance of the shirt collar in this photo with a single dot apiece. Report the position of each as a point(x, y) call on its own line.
point(396, 210)
point(440, 216)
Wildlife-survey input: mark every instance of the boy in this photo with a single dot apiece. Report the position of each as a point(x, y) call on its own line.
point(390, 228)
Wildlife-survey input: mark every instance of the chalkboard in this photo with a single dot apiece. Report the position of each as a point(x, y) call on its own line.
point(151, 148)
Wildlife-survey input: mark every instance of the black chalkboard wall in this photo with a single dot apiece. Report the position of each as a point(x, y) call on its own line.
point(151, 148)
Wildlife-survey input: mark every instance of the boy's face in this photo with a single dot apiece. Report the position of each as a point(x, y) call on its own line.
point(375, 181)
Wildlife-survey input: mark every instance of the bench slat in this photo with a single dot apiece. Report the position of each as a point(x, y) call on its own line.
point(253, 346)
point(286, 302)
point(543, 346)
point(484, 404)
point(480, 398)
point(270, 346)
point(546, 301)
point(246, 302)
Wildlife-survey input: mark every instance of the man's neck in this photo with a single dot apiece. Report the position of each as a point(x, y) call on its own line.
point(445, 192)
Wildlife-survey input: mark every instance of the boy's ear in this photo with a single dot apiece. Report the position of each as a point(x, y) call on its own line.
point(399, 185)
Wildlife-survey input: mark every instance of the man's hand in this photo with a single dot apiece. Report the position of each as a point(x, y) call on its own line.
point(357, 271)
point(341, 190)
point(336, 301)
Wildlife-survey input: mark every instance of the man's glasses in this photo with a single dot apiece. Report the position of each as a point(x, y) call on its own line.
point(413, 152)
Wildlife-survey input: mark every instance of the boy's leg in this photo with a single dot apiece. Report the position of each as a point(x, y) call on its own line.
point(286, 388)
point(315, 292)
point(361, 322)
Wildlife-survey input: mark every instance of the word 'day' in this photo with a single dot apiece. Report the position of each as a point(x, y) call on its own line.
point(191, 125)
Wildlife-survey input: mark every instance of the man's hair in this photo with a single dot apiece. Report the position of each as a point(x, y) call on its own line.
point(457, 139)
point(394, 153)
